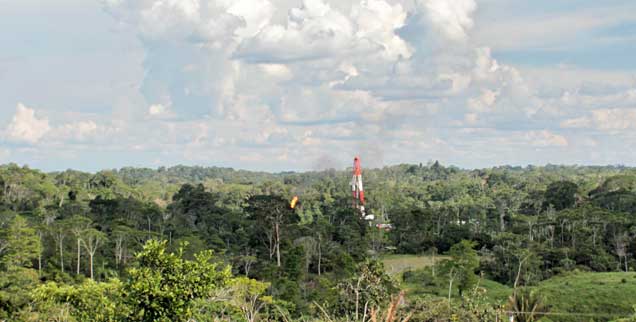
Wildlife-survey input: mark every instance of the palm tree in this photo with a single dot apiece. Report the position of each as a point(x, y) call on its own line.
point(526, 305)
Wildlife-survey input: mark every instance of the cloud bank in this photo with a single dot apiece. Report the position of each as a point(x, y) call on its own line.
point(280, 84)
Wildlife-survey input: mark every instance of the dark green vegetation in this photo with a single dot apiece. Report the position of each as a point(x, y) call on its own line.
point(213, 244)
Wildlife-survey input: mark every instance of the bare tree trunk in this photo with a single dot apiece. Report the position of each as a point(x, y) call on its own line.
point(90, 259)
point(61, 256)
point(562, 232)
point(319, 255)
point(357, 302)
point(451, 277)
point(78, 256)
point(366, 307)
point(40, 254)
point(519, 272)
point(278, 244)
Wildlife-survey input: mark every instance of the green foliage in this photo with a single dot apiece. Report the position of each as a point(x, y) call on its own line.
point(464, 259)
point(528, 224)
point(19, 244)
point(88, 301)
point(164, 285)
point(15, 285)
point(526, 305)
point(415, 229)
point(370, 287)
point(560, 195)
point(596, 293)
point(472, 308)
point(248, 295)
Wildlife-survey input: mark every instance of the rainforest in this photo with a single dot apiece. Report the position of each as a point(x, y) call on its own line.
point(550, 243)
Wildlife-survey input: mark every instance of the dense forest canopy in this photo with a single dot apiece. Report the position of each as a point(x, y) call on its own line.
point(215, 244)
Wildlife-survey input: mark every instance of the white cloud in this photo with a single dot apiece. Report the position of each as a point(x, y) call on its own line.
point(26, 127)
point(77, 131)
point(613, 119)
point(316, 30)
point(545, 138)
point(295, 80)
point(256, 14)
point(452, 18)
point(484, 102)
point(156, 109)
point(277, 71)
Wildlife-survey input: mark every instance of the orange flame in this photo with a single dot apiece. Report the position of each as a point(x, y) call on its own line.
point(293, 202)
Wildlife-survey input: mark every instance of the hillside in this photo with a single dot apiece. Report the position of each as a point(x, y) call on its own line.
point(604, 296)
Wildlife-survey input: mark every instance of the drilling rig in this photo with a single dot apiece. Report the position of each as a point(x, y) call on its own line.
point(357, 190)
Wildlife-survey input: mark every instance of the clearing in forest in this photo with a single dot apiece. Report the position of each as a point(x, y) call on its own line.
point(397, 264)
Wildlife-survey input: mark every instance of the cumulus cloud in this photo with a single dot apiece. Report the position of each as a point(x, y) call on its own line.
point(316, 30)
point(76, 131)
point(484, 101)
point(295, 80)
point(26, 127)
point(451, 18)
point(545, 138)
point(188, 47)
point(613, 119)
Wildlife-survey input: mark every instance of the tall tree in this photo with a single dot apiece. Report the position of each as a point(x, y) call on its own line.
point(79, 225)
point(21, 244)
point(561, 195)
point(92, 239)
point(272, 217)
point(462, 265)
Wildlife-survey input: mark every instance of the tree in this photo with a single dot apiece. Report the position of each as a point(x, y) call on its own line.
point(249, 296)
point(507, 200)
point(59, 231)
point(370, 286)
point(88, 301)
point(78, 226)
point(91, 240)
point(164, 285)
point(21, 244)
point(15, 286)
point(121, 235)
point(465, 261)
point(526, 305)
point(452, 272)
point(561, 195)
point(272, 217)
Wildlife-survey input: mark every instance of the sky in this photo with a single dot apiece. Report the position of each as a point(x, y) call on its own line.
point(301, 85)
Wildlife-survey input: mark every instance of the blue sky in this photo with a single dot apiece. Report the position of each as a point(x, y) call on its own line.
point(306, 84)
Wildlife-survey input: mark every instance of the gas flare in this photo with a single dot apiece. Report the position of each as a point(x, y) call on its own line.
point(293, 202)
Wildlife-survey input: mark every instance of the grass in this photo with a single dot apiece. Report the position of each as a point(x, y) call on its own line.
point(397, 264)
point(495, 293)
point(608, 296)
point(611, 295)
